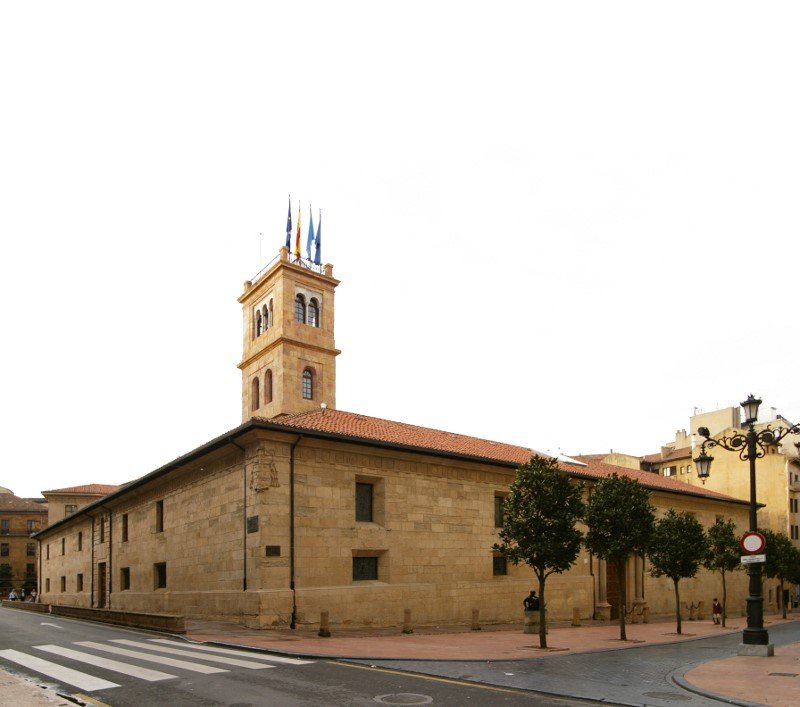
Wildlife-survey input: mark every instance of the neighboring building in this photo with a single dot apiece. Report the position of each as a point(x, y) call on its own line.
point(304, 508)
point(64, 502)
point(19, 519)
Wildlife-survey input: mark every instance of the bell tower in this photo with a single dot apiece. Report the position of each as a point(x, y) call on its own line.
point(289, 358)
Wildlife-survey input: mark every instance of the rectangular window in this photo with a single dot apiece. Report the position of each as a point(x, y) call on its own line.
point(5, 527)
point(499, 565)
point(4, 549)
point(124, 527)
point(63, 584)
point(31, 526)
point(125, 578)
point(498, 511)
point(69, 509)
point(48, 551)
point(79, 582)
point(668, 471)
point(63, 546)
point(102, 529)
point(47, 585)
point(30, 549)
point(80, 540)
point(365, 568)
point(159, 516)
point(364, 498)
point(160, 575)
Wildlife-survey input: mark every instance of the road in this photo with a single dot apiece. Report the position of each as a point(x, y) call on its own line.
point(121, 667)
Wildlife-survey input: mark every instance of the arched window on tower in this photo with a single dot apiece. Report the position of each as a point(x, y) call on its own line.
point(265, 317)
point(300, 309)
point(308, 384)
point(269, 314)
point(268, 387)
point(259, 323)
point(313, 312)
point(254, 395)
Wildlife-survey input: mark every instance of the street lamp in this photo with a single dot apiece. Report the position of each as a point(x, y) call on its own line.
point(750, 445)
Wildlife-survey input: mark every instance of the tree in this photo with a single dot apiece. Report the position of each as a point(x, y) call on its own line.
point(620, 522)
point(780, 560)
point(5, 578)
point(539, 518)
point(678, 547)
point(724, 555)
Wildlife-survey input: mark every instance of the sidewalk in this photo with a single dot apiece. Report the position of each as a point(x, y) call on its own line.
point(767, 681)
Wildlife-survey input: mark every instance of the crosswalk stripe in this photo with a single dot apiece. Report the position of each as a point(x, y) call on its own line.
point(100, 662)
point(229, 651)
point(212, 658)
point(149, 657)
point(58, 672)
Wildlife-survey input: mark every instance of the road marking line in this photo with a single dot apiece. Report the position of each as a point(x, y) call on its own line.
point(230, 651)
point(100, 662)
point(188, 654)
point(58, 672)
point(163, 660)
point(46, 623)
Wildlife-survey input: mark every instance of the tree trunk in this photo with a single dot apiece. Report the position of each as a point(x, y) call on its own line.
point(542, 614)
point(783, 603)
point(621, 590)
point(724, 600)
point(677, 605)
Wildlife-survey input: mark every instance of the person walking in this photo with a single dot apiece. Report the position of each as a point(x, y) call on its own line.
point(716, 611)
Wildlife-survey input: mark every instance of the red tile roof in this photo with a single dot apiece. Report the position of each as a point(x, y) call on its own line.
point(681, 453)
point(363, 427)
point(91, 489)
point(9, 502)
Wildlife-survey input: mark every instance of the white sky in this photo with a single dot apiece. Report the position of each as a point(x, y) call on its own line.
point(556, 224)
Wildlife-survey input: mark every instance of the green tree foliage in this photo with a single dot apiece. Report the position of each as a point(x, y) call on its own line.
point(539, 518)
point(724, 554)
point(781, 559)
point(5, 578)
point(677, 549)
point(620, 522)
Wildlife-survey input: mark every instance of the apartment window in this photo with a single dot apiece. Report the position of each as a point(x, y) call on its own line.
point(124, 527)
point(160, 575)
point(63, 584)
point(125, 578)
point(669, 471)
point(69, 509)
point(80, 540)
point(5, 527)
point(364, 499)
point(498, 510)
point(499, 564)
point(47, 585)
point(32, 525)
point(63, 546)
point(793, 505)
point(4, 549)
point(30, 549)
point(79, 582)
point(159, 516)
point(365, 568)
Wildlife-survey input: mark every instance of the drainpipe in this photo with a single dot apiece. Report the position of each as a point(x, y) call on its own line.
point(39, 576)
point(110, 546)
point(293, 624)
point(244, 514)
point(91, 540)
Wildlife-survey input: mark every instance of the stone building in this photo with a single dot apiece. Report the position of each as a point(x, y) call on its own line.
point(304, 508)
point(19, 519)
point(64, 502)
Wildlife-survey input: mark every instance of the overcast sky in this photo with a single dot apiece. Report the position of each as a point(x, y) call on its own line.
point(556, 224)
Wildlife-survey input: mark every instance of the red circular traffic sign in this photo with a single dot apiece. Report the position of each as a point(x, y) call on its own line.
point(753, 543)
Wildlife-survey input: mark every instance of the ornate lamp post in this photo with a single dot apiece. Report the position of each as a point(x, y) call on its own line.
point(750, 445)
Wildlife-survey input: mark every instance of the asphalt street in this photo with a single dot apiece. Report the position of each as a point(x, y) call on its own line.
point(122, 667)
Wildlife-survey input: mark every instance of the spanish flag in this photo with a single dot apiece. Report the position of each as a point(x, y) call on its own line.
point(297, 239)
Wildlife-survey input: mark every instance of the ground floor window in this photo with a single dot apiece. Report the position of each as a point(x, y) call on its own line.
point(499, 565)
point(365, 568)
point(79, 582)
point(160, 575)
point(125, 578)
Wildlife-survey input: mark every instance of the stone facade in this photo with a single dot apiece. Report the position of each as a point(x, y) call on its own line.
point(19, 519)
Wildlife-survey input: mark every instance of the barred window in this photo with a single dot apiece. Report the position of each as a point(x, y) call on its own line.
point(499, 565)
point(365, 568)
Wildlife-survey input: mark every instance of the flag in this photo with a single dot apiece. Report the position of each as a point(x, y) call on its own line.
point(318, 242)
point(297, 239)
point(310, 239)
point(289, 227)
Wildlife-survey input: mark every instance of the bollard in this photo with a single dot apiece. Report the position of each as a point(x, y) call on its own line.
point(476, 624)
point(646, 615)
point(407, 628)
point(576, 616)
point(531, 622)
point(324, 625)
